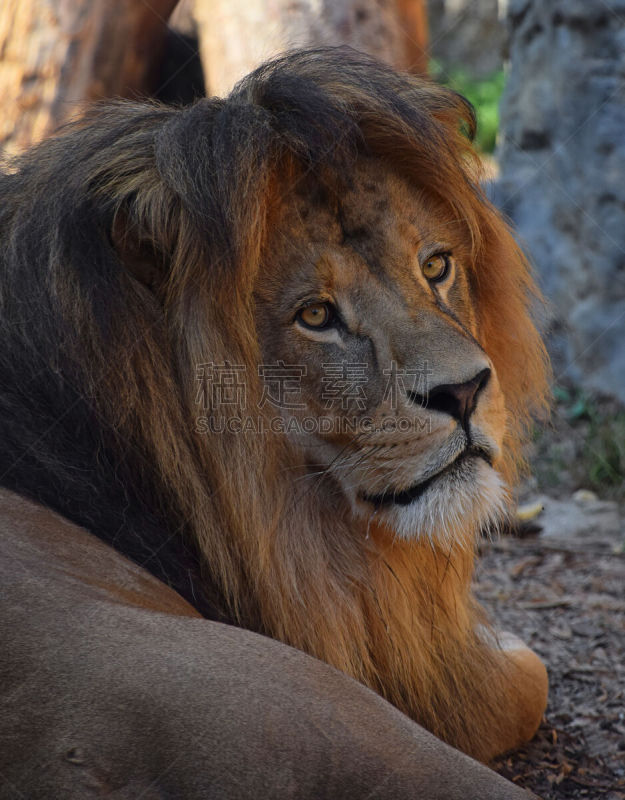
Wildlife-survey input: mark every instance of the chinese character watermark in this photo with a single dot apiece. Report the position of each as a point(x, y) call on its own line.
point(221, 385)
point(281, 385)
point(406, 381)
point(344, 383)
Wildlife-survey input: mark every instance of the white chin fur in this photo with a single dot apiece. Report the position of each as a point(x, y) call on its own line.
point(454, 508)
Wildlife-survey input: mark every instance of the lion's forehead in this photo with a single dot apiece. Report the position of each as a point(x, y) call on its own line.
point(375, 214)
point(370, 202)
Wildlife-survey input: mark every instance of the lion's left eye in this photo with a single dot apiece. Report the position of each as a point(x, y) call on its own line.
point(436, 268)
point(316, 315)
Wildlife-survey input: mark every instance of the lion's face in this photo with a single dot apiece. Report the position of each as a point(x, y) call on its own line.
point(366, 300)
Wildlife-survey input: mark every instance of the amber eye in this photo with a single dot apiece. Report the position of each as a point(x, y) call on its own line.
point(316, 315)
point(436, 268)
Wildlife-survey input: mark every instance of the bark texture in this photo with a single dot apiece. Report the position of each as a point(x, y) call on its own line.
point(58, 55)
point(236, 37)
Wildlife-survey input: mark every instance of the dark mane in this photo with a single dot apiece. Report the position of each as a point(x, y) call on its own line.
point(130, 245)
point(74, 320)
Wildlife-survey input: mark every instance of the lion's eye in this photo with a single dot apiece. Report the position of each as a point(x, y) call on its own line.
point(316, 315)
point(436, 268)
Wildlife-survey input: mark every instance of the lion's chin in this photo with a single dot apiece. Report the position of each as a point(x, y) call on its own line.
point(453, 506)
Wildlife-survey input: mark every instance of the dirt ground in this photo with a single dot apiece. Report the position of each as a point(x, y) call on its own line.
point(559, 583)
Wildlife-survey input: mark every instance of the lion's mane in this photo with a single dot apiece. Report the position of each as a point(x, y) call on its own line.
point(102, 333)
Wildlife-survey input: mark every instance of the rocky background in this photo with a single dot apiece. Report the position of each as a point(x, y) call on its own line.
point(562, 161)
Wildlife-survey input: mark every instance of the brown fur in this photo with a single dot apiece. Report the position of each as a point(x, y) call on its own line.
point(397, 615)
point(113, 686)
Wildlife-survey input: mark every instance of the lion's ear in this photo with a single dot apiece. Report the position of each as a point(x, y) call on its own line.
point(139, 253)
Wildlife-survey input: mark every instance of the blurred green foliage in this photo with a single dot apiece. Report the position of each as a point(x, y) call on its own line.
point(483, 93)
point(603, 454)
point(585, 446)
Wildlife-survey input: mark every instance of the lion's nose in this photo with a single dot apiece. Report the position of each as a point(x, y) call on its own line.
point(456, 399)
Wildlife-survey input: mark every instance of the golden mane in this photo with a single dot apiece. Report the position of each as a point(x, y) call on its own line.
point(151, 254)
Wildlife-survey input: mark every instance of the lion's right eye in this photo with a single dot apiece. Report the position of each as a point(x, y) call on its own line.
point(436, 268)
point(316, 315)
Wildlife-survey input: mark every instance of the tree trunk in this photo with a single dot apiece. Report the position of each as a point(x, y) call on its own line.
point(58, 54)
point(236, 37)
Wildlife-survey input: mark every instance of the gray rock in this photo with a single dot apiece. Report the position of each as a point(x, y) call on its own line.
point(593, 522)
point(562, 156)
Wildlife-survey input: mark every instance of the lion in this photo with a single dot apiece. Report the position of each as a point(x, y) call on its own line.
point(114, 685)
point(321, 230)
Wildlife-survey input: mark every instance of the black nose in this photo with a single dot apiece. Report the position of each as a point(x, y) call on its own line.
point(456, 399)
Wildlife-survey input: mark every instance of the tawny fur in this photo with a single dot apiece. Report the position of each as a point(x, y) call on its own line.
point(195, 194)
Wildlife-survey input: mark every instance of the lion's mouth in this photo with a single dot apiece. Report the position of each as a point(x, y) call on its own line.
point(404, 497)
